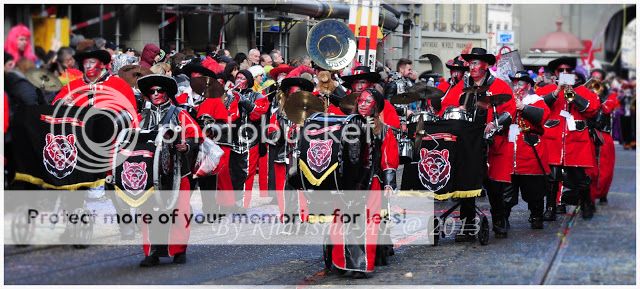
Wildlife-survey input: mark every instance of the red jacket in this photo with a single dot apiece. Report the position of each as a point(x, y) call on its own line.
point(113, 93)
point(390, 158)
point(500, 152)
point(443, 86)
point(189, 125)
point(525, 161)
point(215, 108)
point(390, 116)
point(569, 148)
point(610, 103)
point(332, 109)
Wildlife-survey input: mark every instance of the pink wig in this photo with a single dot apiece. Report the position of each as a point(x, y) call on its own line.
point(11, 44)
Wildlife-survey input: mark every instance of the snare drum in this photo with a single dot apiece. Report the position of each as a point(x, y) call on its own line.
point(456, 113)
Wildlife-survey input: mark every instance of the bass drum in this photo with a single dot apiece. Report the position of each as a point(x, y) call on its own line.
point(146, 169)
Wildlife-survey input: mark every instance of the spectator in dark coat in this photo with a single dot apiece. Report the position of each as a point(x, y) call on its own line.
point(19, 90)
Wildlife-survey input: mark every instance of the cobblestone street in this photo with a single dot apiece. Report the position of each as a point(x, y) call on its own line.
point(599, 251)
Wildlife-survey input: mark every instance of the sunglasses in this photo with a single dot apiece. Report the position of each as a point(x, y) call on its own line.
point(565, 70)
point(157, 90)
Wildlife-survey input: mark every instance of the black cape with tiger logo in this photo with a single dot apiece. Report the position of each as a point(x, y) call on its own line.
point(52, 147)
point(450, 162)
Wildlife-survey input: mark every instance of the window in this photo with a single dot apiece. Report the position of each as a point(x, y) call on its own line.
point(506, 27)
point(490, 26)
point(438, 12)
point(498, 26)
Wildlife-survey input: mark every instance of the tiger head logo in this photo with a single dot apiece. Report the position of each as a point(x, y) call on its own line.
point(134, 176)
point(434, 168)
point(319, 154)
point(60, 155)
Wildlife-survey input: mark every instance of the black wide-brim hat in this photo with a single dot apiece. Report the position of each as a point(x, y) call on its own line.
point(193, 67)
point(480, 54)
point(553, 65)
point(167, 83)
point(521, 75)
point(457, 64)
point(102, 55)
point(361, 72)
point(303, 83)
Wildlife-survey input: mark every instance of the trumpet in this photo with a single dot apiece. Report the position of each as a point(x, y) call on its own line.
point(595, 85)
point(569, 94)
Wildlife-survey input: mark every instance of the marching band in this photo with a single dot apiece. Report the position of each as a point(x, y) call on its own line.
point(549, 142)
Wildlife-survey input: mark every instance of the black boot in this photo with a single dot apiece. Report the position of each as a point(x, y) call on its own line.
point(536, 223)
point(499, 227)
point(382, 254)
point(588, 209)
point(549, 214)
point(150, 261)
point(180, 258)
point(603, 201)
point(506, 219)
point(360, 275)
point(561, 209)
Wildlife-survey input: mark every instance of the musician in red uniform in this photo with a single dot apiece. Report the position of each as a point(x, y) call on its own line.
point(567, 137)
point(278, 135)
point(217, 112)
point(245, 152)
point(602, 173)
point(98, 88)
point(361, 258)
point(362, 79)
point(500, 157)
point(457, 68)
point(169, 240)
point(530, 166)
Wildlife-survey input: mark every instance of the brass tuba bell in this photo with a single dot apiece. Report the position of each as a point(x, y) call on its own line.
point(595, 85)
point(331, 44)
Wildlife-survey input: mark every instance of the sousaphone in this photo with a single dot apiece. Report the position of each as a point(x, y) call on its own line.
point(331, 44)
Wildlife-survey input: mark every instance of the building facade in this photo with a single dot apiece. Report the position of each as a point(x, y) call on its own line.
point(445, 30)
point(500, 27)
point(586, 21)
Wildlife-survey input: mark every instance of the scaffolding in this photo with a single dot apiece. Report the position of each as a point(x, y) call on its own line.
point(284, 21)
